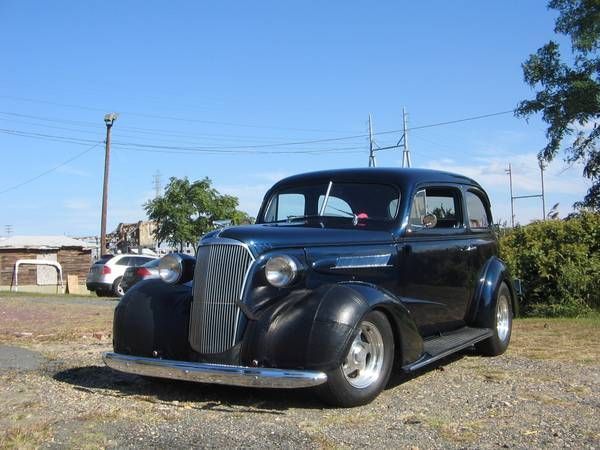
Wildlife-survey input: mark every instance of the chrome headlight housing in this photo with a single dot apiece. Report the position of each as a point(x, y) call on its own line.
point(281, 270)
point(170, 268)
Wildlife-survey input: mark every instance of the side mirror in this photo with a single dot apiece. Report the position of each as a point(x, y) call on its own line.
point(429, 220)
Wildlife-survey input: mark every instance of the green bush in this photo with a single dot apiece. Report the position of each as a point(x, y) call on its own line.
point(558, 262)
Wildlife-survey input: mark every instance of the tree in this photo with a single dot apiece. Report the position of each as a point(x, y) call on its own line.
point(568, 93)
point(187, 210)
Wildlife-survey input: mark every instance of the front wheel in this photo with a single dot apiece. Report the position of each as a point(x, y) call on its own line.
point(500, 323)
point(367, 366)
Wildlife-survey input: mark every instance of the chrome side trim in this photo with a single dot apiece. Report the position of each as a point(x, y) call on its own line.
point(360, 262)
point(214, 373)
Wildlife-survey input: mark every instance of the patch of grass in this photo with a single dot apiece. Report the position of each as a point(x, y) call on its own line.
point(464, 432)
point(573, 340)
point(12, 294)
point(25, 436)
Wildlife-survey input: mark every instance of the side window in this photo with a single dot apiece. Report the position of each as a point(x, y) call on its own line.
point(123, 261)
point(476, 211)
point(393, 208)
point(418, 209)
point(284, 206)
point(443, 202)
point(335, 207)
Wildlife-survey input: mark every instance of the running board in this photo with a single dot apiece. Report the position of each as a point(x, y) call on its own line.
point(441, 346)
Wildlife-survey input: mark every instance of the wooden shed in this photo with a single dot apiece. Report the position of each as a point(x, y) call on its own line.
point(74, 256)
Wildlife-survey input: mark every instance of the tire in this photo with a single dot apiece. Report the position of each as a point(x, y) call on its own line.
point(101, 293)
point(117, 288)
point(366, 368)
point(501, 324)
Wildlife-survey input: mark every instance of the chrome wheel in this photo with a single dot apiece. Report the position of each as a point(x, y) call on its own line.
point(502, 318)
point(364, 362)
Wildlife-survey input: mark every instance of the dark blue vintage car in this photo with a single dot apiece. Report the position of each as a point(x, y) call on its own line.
point(345, 275)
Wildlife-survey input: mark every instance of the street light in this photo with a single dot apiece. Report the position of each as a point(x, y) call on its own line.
point(109, 120)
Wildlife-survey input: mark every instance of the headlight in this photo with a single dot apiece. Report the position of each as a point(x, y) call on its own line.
point(281, 270)
point(170, 268)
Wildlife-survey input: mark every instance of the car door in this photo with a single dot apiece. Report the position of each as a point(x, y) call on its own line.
point(435, 261)
point(482, 240)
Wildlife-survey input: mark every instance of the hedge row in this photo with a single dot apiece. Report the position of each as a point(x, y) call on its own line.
point(558, 262)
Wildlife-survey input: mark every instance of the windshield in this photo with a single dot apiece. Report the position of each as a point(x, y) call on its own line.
point(338, 203)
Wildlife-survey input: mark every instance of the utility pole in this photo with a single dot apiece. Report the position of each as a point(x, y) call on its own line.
point(372, 162)
point(542, 168)
point(512, 199)
point(156, 182)
point(8, 229)
point(405, 151)
point(109, 119)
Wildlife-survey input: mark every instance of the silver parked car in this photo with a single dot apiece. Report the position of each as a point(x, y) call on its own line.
point(106, 274)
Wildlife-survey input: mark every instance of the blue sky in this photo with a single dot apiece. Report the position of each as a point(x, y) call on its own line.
point(227, 76)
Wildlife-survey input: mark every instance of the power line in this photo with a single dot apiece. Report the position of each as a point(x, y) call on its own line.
point(343, 138)
point(136, 130)
point(162, 117)
point(172, 148)
point(64, 163)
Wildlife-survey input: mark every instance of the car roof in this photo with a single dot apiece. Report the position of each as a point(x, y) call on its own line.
point(386, 175)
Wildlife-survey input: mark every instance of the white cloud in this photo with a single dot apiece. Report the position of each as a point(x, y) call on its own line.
point(490, 171)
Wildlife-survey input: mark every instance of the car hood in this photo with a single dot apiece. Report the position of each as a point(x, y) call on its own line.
point(264, 237)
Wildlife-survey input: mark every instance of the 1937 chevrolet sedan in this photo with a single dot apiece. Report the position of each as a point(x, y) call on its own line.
point(345, 275)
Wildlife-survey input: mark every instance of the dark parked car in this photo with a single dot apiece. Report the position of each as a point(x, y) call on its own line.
point(345, 275)
point(134, 274)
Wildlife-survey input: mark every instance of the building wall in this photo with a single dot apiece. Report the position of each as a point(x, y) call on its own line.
point(74, 261)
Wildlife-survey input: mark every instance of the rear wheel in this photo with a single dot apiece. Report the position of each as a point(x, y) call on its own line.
point(117, 287)
point(367, 366)
point(500, 323)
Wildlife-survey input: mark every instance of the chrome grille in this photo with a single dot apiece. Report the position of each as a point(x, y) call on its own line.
point(219, 279)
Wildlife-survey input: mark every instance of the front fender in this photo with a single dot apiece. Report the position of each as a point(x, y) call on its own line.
point(494, 272)
point(313, 329)
point(153, 316)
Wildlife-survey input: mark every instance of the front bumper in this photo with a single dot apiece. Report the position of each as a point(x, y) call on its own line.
point(214, 373)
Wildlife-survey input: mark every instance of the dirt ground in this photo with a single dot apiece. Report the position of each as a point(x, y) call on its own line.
point(55, 392)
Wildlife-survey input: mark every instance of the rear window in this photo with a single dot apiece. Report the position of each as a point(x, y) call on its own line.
point(153, 263)
point(103, 259)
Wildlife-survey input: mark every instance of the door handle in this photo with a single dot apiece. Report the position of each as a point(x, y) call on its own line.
point(469, 248)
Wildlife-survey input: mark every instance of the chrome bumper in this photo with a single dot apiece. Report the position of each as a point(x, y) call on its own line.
point(214, 373)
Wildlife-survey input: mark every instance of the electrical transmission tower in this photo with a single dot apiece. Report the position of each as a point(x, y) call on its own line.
point(156, 183)
point(542, 195)
point(8, 229)
point(402, 143)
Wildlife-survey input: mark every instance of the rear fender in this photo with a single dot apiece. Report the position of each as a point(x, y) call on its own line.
point(493, 273)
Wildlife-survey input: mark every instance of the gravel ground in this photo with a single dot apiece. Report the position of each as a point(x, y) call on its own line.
point(63, 396)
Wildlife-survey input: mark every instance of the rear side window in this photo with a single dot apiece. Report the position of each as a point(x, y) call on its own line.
point(477, 212)
point(123, 261)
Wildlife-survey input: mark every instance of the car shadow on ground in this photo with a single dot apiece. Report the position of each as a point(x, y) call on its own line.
point(106, 381)
point(400, 377)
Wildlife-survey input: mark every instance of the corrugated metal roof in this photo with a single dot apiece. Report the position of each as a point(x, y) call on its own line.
point(43, 242)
